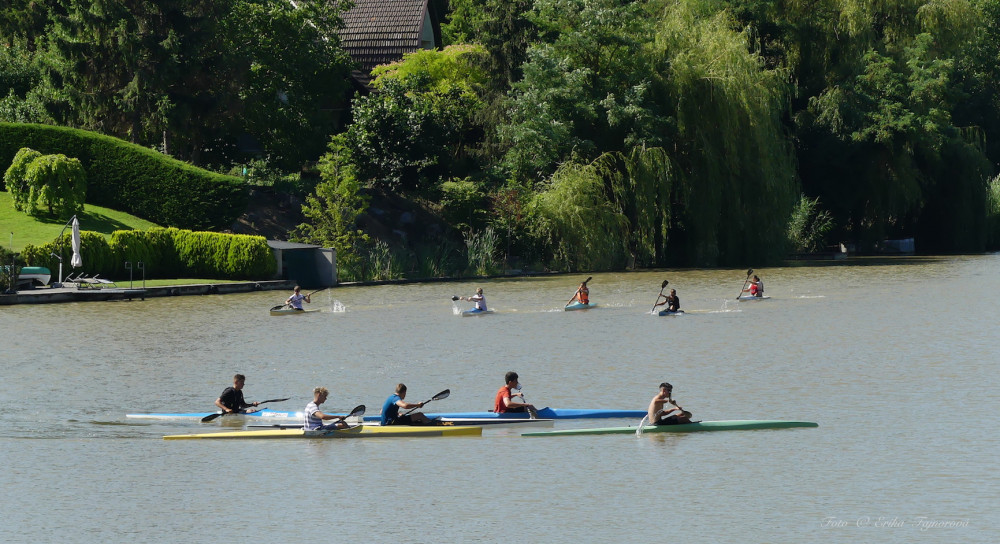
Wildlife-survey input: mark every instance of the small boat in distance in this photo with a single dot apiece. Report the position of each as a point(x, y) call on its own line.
point(580, 306)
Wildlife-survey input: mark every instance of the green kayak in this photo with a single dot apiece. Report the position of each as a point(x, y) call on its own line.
point(738, 425)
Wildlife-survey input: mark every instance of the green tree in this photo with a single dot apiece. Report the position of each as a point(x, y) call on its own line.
point(56, 183)
point(332, 214)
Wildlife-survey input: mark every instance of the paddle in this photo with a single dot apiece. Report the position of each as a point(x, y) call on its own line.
point(749, 272)
point(358, 410)
point(662, 287)
point(442, 395)
point(578, 291)
point(532, 413)
point(210, 417)
point(455, 297)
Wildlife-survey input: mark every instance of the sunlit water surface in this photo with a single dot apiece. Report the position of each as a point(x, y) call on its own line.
point(895, 359)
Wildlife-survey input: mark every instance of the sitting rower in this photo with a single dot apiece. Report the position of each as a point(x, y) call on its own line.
point(664, 411)
point(503, 402)
point(314, 417)
point(672, 301)
point(390, 410)
point(756, 287)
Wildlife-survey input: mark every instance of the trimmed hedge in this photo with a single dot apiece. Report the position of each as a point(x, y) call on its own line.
point(134, 179)
point(164, 252)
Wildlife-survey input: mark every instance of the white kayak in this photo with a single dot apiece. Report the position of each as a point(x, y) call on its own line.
point(580, 306)
point(292, 311)
point(751, 297)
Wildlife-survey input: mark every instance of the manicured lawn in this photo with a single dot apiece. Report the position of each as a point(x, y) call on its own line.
point(37, 231)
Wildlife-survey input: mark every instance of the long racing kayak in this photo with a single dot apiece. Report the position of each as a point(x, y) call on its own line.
point(662, 313)
point(447, 421)
point(736, 425)
point(264, 413)
point(361, 431)
point(580, 306)
point(543, 413)
point(751, 297)
point(292, 311)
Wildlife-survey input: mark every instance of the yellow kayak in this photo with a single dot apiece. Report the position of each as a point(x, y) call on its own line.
point(361, 431)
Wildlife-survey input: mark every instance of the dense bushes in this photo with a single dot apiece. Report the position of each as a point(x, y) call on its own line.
point(165, 252)
point(134, 179)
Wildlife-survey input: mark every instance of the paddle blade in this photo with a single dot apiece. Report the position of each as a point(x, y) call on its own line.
point(442, 395)
point(749, 271)
point(588, 279)
point(210, 417)
point(273, 400)
point(454, 297)
point(664, 285)
point(277, 307)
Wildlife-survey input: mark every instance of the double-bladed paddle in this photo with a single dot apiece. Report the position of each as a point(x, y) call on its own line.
point(210, 417)
point(578, 291)
point(442, 395)
point(662, 287)
point(749, 272)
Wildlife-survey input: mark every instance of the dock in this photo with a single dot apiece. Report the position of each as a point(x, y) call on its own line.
point(47, 295)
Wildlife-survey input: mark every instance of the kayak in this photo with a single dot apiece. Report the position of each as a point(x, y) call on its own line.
point(448, 421)
point(751, 297)
point(543, 413)
point(360, 431)
point(293, 311)
point(265, 413)
point(580, 306)
point(737, 425)
point(474, 312)
point(662, 313)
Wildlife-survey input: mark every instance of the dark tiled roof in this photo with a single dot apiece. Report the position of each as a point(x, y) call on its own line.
point(380, 31)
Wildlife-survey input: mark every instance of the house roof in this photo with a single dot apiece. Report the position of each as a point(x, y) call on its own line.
point(380, 31)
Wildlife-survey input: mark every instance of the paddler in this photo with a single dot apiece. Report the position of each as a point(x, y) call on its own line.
point(478, 298)
point(231, 400)
point(582, 294)
point(295, 301)
point(314, 418)
point(503, 402)
point(756, 287)
point(390, 410)
point(664, 411)
point(672, 301)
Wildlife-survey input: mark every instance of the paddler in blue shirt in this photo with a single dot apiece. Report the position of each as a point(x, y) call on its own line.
point(390, 410)
point(231, 400)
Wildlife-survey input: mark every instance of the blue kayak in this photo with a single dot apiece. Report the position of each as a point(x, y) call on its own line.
point(668, 313)
point(474, 312)
point(580, 306)
point(543, 413)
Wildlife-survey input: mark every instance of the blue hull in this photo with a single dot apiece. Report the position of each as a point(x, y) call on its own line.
point(579, 306)
point(543, 413)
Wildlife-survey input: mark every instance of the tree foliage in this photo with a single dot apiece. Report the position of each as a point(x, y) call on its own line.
point(53, 185)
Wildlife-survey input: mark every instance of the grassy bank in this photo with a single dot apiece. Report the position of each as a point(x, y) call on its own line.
point(37, 231)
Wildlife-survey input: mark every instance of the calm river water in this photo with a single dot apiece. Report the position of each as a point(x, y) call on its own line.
point(895, 359)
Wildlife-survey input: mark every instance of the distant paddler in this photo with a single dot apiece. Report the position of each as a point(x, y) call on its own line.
point(582, 294)
point(295, 301)
point(671, 301)
point(478, 298)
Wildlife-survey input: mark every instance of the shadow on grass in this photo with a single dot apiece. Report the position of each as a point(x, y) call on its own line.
point(92, 221)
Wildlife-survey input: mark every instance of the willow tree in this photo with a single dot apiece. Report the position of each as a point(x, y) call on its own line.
point(736, 185)
point(576, 221)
